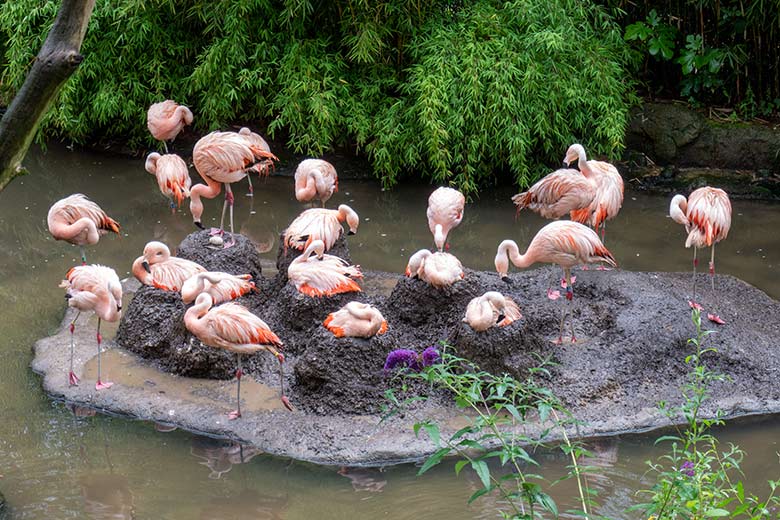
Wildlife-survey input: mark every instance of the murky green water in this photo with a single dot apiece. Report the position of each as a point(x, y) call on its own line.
point(56, 464)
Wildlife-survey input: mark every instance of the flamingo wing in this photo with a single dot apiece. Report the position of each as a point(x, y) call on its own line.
point(557, 194)
point(709, 212)
point(235, 328)
point(78, 206)
point(171, 274)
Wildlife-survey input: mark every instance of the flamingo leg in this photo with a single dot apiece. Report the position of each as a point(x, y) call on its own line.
point(695, 263)
point(714, 317)
point(570, 302)
point(83, 256)
point(100, 385)
point(173, 207)
point(235, 414)
point(230, 199)
point(251, 189)
point(224, 210)
point(73, 379)
point(280, 357)
point(165, 145)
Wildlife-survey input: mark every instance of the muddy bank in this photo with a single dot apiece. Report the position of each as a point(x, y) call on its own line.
point(632, 329)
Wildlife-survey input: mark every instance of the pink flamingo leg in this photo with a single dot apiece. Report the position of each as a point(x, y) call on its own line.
point(100, 385)
point(229, 199)
point(714, 317)
point(73, 379)
point(235, 414)
point(83, 256)
point(566, 311)
point(251, 189)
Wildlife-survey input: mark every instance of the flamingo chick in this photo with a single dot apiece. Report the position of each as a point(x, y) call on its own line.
point(561, 242)
point(315, 179)
point(156, 267)
point(320, 224)
point(263, 168)
point(233, 328)
point(356, 320)
point(166, 119)
point(79, 221)
point(445, 211)
point(706, 215)
point(172, 176)
point(558, 193)
point(222, 287)
point(438, 269)
point(492, 309)
point(92, 288)
point(316, 274)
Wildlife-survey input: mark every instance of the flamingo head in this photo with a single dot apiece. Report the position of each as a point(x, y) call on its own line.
point(155, 252)
point(151, 162)
point(574, 153)
point(502, 262)
point(185, 114)
point(416, 262)
point(316, 247)
point(677, 209)
point(204, 299)
point(439, 236)
point(348, 214)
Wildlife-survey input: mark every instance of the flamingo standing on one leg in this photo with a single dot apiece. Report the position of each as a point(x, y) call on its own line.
point(557, 194)
point(706, 215)
point(221, 286)
point(263, 168)
point(445, 211)
point(92, 288)
point(439, 269)
point(356, 320)
point(320, 224)
point(78, 220)
point(315, 179)
point(562, 242)
point(492, 309)
point(316, 274)
point(172, 176)
point(233, 328)
point(166, 119)
point(156, 267)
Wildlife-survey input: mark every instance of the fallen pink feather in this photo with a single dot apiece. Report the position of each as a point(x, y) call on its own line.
point(715, 319)
point(694, 305)
point(553, 295)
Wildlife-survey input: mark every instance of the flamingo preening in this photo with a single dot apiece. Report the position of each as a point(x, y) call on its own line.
point(439, 269)
point(492, 309)
point(263, 168)
point(166, 119)
point(320, 224)
point(445, 211)
point(314, 273)
point(315, 179)
point(172, 176)
point(221, 286)
point(357, 320)
point(78, 220)
point(156, 267)
point(557, 194)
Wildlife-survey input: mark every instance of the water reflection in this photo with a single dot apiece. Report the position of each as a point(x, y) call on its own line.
point(106, 494)
point(249, 504)
point(221, 455)
point(364, 479)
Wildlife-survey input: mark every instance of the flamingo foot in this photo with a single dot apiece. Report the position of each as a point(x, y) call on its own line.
point(229, 243)
point(235, 414)
point(286, 403)
point(216, 231)
point(100, 385)
point(73, 379)
point(715, 319)
point(586, 267)
point(553, 295)
point(602, 268)
point(564, 284)
point(693, 305)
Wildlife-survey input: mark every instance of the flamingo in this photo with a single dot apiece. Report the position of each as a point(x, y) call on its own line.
point(172, 176)
point(439, 269)
point(320, 224)
point(321, 274)
point(156, 267)
point(221, 286)
point(608, 198)
point(706, 215)
point(492, 309)
point(78, 220)
point(557, 194)
point(357, 320)
point(445, 211)
point(233, 328)
point(315, 179)
point(223, 158)
point(263, 167)
point(166, 119)
point(92, 288)
point(561, 242)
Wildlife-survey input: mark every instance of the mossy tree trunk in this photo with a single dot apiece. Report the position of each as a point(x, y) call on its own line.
point(57, 60)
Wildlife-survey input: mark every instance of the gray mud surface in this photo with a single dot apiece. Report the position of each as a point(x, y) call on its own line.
point(632, 329)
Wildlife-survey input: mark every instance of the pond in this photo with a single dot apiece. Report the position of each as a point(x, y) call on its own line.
point(58, 462)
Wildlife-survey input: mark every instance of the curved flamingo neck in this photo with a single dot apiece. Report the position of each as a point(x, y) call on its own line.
point(193, 316)
point(582, 162)
point(510, 248)
point(184, 114)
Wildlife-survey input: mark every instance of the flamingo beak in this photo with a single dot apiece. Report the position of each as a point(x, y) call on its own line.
point(506, 280)
point(146, 267)
point(198, 224)
point(350, 232)
point(118, 308)
point(68, 296)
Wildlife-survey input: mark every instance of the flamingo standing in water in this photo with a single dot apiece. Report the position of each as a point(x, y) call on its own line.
point(223, 157)
point(315, 179)
point(557, 194)
point(156, 267)
point(166, 119)
point(445, 211)
point(608, 198)
point(492, 309)
point(221, 286)
point(233, 328)
point(706, 215)
point(562, 242)
point(92, 288)
point(320, 224)
point(263, 168)
point(439, 269)
point(78, 220)
point(357, 320)
point(172, 176)
point(316, 274)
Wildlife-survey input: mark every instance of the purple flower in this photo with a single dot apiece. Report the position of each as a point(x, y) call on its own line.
point(687, 468)
point(430, 356)
point(401, 358)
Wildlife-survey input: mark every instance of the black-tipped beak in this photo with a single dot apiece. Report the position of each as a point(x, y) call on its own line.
point(304, 237)
point(565, 164)
point(118, 308)
point(506, 280)
point(68, 296)
point(500, 318)
point(146, 267)
point(350, 232)
point(198, 224)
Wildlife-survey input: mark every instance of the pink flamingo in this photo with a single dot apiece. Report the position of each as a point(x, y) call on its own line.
point(222, 287)
point(156, 267)
point(492, 309)
point(315, 179)
point(222, 157)
point(320, 224)
point(233, 328)
point(263, 168)
point(561, 242)
point(92, 288)
point(166, 119)
point(357, 320)
point(558, 193)
point(608, 198)
point(439, 269)
point(445, 211)
point(706, 215)
point(172, 176)
point(78, 220)
point(321, 274)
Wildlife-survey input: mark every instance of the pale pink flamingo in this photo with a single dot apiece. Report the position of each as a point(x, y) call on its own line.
point(706, 215)
point(561, 242)
point(356, 320)
point(166, 119)
point(439, 269)
point(315, 179)
point(92, 288)
point(78, 220)
point(445, 211)
point(222, 157)
point(172, 176)
point(157, 268)
point(320, 224)
point(314, 273)
point(492, 309)
point(233, 328)
point(557, 193)
point(222, 287)
point(263, 168)
point(608, 198)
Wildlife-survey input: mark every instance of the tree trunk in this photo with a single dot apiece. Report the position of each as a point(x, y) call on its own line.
point(57, 60)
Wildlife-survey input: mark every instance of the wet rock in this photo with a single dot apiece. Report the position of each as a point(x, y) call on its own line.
point(287, 254)
point(241, 258)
